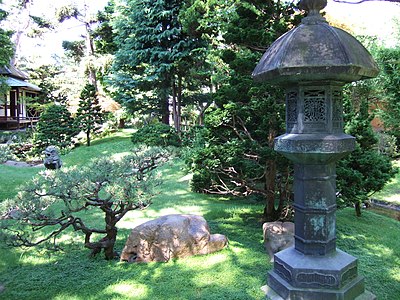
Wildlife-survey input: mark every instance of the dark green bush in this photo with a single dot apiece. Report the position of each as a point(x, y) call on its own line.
point(55, 127)
point(156, 135)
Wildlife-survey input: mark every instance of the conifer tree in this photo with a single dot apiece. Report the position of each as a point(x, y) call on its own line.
point(152, 56)
point(55, 128)
point(89, 116)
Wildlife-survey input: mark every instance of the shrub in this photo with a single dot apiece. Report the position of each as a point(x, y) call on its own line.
point(55, 127)
point(5, 153)
point(156, 135)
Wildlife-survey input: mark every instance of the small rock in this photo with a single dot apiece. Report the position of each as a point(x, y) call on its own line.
point(278, 236)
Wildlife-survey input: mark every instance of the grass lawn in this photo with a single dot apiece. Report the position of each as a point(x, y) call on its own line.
point(391, 192)
point(237, 272)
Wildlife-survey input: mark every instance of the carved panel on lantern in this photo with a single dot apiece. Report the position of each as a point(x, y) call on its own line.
point(314, 106)
point(315, 110)
point(337, 110)
point(291, 110)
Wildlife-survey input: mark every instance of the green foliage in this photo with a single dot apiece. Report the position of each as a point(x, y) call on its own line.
point(67, 12)
point(55, 127)
point(54, 199)
point(74, 50)
point(366, 170)
point(6, 51)
point(89, 116)
point(5, 153)
point(157, 134)
point(45, 77)
point(7, 48)
point(103, 34)
point(238, 157)
point(153, 56)
point(389, 60)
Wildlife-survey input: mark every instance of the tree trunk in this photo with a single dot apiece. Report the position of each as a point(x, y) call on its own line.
point(270, 213)
point(174, 106)
point(88, 138)
point(90, 54)
point(179, 104)
point(111, 235)
point(357, 207)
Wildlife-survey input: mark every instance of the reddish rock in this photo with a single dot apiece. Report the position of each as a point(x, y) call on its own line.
point(171, 236)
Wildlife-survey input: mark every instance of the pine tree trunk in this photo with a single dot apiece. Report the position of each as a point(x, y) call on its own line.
point(174, 106)
point(179, 104)
point(270, 213)
point(90, 54)
point(88, 138)
point(111, 235)
point(357, 207)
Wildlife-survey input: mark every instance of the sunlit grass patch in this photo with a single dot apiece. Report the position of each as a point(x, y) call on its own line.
point(391, 191)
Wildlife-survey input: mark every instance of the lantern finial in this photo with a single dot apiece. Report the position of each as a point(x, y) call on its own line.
point(313, 8)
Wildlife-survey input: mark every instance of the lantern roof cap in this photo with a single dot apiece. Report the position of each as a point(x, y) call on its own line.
point(315, 51)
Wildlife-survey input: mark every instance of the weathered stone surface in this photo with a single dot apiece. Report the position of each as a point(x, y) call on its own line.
point(52, 159)
point(171, 236)
point(277, 236)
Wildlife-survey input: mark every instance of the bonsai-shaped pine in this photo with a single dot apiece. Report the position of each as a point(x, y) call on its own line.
point(89, 116)
point(55, 201)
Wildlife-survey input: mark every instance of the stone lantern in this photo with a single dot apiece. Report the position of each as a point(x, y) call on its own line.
point(312, 62)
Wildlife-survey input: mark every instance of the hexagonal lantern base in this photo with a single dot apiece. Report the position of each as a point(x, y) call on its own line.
point(312, 277)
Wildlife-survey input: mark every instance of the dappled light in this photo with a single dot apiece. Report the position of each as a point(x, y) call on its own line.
point(236, 272)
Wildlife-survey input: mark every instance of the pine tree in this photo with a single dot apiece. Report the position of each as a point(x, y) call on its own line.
point(89, 116)
point(151, 62)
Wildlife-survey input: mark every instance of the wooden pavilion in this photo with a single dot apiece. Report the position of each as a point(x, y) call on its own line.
point(14, 113)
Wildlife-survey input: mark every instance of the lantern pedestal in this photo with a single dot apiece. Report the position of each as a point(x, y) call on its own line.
point(314, 277)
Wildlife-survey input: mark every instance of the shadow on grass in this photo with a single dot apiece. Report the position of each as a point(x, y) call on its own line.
point(373, 239)
point(71, 275)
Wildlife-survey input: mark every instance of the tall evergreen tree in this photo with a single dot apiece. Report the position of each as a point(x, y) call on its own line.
point(151, 63)
point(89, 116)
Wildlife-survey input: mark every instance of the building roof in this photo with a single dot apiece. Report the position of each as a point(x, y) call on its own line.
point(12, 71)
point(12, 82)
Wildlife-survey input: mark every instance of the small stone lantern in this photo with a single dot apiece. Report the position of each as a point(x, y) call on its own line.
point(312, 62)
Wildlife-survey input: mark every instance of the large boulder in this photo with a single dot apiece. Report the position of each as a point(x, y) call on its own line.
point(171, 236)
point(278, 236)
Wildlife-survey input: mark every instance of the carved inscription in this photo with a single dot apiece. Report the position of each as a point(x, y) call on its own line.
point(283, 271)
point(316, 278)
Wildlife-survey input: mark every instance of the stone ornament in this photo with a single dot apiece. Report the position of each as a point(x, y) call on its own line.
point(52, 159)
point(169, 237)
point(278, 236)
